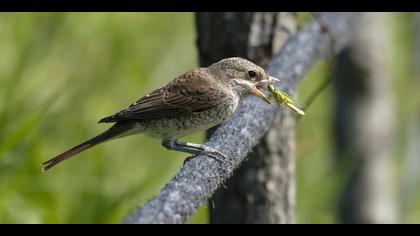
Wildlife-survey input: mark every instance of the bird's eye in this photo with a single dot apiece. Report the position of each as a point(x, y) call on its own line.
point(252, 74)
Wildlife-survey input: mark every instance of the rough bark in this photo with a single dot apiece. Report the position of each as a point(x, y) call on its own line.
point(199, 178)
point(262, 189)
point(221, 35)
point(364, 123)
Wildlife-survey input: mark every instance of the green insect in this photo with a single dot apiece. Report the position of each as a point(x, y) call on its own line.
point(283, 99)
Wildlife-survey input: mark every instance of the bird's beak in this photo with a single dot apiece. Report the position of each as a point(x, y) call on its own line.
point(259, 94)
point(260, 84)
point(271, 80)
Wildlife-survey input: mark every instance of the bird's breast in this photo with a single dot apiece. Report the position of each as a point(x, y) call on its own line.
point(193, 122)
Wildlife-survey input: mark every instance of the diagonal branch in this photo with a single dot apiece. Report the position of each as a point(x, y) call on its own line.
point(201, 176)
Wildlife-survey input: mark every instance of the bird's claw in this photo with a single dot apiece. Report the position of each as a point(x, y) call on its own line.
point(212, 153)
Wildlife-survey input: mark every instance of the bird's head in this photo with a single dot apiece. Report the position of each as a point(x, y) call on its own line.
point(242, 76)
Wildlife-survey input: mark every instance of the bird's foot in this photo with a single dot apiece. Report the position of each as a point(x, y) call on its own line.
point(195, 149)
point(218, 156)
point(212, 153)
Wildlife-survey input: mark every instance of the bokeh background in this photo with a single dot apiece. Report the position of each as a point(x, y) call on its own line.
point(62, 72)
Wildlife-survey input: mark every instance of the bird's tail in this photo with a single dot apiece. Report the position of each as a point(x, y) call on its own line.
point(116, 130)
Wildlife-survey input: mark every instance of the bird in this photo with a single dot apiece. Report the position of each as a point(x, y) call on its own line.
point(194, 101)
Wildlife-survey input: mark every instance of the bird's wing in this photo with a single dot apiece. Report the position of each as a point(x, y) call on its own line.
point(195, 91)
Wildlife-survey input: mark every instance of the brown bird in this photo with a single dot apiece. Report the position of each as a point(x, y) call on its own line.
point(195, 101)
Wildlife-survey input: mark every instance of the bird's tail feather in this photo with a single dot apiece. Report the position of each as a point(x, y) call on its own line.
point(116, 130)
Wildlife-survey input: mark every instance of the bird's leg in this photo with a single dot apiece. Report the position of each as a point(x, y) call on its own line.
point(217, 155)
point(170, 144)
point(195, 149)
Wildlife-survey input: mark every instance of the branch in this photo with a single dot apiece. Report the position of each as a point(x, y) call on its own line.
point(201, 176)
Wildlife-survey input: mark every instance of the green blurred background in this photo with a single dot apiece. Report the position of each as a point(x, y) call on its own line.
point(61, 72)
